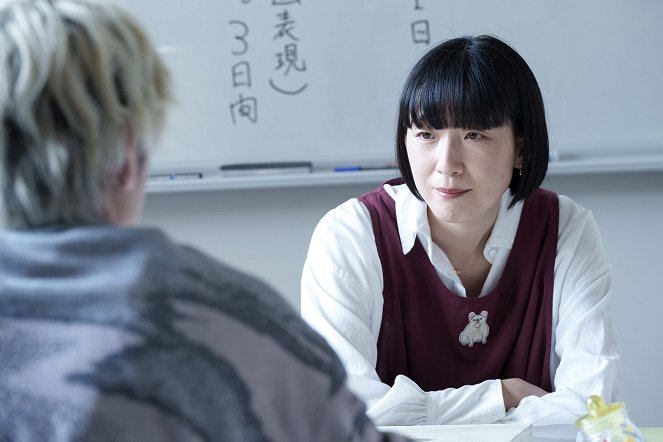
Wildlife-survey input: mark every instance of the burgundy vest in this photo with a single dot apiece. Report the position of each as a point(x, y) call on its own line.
point(439, 339)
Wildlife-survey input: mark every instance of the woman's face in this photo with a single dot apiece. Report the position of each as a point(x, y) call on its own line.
point(462, 173)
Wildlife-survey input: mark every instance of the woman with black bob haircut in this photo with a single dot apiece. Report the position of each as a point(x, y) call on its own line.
point(477, 83)
point(463, 292)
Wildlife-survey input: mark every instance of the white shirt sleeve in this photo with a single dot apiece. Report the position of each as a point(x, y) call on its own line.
point(584, 356)
point(342, 299)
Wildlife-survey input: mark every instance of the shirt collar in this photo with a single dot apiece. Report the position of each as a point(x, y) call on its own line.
point(412, 219)
point(506, 224)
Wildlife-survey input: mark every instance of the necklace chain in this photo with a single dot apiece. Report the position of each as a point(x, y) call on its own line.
point(480, 246)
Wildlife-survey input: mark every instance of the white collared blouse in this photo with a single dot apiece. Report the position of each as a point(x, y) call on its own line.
point(342, 299)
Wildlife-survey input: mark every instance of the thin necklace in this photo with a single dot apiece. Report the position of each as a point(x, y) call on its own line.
point(481, 244)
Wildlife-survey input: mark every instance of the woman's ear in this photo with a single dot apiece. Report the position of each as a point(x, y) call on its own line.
point(518, 160)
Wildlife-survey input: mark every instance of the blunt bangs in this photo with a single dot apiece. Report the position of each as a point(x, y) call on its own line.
point(454, 89)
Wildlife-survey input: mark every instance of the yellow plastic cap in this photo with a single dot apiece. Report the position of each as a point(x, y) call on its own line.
point(598, 409)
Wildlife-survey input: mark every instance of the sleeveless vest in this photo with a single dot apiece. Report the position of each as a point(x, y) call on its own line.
point(442, 340)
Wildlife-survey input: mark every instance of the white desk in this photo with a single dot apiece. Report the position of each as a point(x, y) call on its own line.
point(501, 433)
point(464, 433)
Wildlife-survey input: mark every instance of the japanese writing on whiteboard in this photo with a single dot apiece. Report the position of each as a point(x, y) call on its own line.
point(288, 73)
point(245, 107)
point(289, 66)
point(420, 29)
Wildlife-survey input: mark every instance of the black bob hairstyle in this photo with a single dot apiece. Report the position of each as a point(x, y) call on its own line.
point(476, 83)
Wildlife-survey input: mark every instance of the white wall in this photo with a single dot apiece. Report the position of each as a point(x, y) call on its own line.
point(266, 232)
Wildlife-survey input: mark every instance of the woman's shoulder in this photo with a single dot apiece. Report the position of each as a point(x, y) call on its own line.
point(572, 214)
point(578, 230)
point(575, 220)
point(353, 212)
point(349, 212)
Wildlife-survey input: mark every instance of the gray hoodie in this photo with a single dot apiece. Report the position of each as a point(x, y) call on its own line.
point(109, 333)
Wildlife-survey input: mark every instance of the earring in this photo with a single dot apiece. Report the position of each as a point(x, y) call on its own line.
point(520, 171)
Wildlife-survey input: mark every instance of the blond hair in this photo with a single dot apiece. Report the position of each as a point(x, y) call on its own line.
point(76, 77)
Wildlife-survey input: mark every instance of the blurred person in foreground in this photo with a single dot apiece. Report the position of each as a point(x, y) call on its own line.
point(113, 332)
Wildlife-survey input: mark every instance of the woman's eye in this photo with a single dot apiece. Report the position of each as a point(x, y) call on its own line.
point(425, 135)
point(473, 135)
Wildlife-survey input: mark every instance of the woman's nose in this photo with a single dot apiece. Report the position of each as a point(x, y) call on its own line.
point(449, 156)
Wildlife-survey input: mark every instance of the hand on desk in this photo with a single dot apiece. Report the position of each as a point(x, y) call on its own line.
point(515, 389)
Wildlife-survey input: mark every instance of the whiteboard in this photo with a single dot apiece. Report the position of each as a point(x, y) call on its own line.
point(305, 80)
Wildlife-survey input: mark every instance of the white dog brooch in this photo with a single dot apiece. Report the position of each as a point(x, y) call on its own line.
point(476, 330)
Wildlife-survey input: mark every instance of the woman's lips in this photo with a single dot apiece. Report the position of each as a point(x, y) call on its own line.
point(451, 193)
